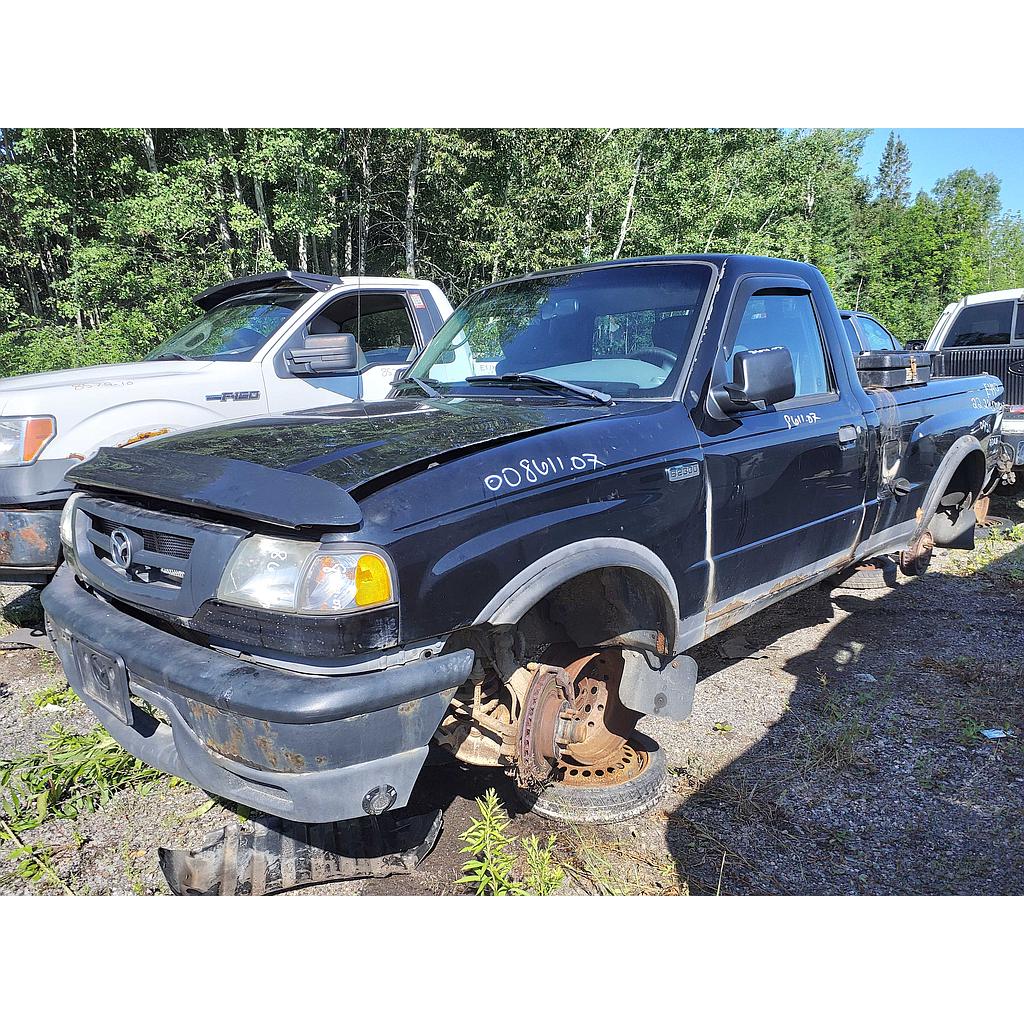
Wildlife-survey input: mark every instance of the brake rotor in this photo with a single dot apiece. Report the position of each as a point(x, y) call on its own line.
point(573, 721)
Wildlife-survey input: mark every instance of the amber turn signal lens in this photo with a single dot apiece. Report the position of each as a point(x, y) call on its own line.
point(38, 431)
point(373, 581)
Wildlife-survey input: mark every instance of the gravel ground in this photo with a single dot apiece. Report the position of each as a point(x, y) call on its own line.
point(842, 754)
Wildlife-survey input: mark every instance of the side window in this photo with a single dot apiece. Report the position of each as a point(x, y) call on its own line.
point(1018, 334)
point(877, 337)
point(851, 335)
point(987, 324)
point(385, 336)
point(771, 319)
point(379, 320)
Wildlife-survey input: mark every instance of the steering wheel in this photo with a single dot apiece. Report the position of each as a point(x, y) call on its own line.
point(663, 358)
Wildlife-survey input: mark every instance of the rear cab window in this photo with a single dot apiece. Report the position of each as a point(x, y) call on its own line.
point(984, 324)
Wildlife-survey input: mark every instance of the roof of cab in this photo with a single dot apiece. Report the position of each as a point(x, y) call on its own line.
point(742, 263)
point(299, 278)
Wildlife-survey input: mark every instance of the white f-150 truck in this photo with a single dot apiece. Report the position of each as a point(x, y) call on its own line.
point(264, 344)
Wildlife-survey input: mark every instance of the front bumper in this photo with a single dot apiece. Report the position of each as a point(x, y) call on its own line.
point(29, 544)
point(308, 748)
point(30, 500)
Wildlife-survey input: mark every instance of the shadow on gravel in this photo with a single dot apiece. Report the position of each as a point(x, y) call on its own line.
point(877, 777)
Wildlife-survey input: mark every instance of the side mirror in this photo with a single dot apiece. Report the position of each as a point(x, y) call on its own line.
point(917, 345)
point(324, 354)
point(761, 377)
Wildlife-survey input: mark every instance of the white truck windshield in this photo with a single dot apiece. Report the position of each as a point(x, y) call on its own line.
point(235, 330)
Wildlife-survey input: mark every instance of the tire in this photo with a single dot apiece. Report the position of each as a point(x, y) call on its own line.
point(602, 805)
point(882, 577)
point(993, 524)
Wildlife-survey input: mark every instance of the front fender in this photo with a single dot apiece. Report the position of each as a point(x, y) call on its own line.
point(111, 427)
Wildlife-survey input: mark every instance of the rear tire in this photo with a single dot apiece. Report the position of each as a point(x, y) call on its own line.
point(880, 576)
point(602, 805)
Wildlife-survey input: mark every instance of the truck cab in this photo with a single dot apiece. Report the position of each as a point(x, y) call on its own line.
point(261, 345)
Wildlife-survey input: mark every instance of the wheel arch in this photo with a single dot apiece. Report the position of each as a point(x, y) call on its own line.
point(588, 560)
point(963, 467)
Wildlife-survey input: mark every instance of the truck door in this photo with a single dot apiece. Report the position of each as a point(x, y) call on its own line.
point(387, 337)
point(988, 337)
point(787, 483)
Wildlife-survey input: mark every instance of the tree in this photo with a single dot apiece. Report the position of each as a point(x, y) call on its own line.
point(892, 185)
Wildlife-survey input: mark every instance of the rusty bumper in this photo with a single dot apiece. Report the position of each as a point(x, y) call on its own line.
point(304, 747)
point(29, 544)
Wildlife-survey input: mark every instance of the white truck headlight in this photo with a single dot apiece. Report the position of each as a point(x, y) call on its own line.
point(298, 576)
point(67, 522)
point(22, 438)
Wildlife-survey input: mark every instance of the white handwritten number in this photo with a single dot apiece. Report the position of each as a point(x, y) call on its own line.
point(532, 471)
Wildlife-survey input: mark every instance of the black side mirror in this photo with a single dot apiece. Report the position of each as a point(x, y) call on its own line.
point(324, 354)
point(761, 377)
point(916, 345)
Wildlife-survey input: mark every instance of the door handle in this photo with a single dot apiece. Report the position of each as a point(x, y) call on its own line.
point(848, 436)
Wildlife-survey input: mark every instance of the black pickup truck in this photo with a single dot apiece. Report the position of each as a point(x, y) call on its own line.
point(584, 474)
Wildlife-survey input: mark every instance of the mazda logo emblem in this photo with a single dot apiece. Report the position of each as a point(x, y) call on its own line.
point(121, 548)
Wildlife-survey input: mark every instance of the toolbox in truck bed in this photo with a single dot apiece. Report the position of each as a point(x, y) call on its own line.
point(893, 369)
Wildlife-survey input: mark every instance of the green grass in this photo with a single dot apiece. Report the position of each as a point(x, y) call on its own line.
point(73, 774)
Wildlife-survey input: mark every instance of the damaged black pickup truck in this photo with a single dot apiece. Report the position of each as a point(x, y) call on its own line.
point(584, 474)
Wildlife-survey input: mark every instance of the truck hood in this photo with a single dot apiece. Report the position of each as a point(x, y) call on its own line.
point(114, 375)
point(299, 470)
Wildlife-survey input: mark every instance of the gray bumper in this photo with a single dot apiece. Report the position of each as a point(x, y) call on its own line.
point(308, 748)
point(29, 544)
point(30, 504)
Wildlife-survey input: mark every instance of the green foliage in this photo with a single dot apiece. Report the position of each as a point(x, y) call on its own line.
point(72, 774)
point(57, 695)
point(106, 234)
point(490, 869)
point(543, 873)
point(494, 869)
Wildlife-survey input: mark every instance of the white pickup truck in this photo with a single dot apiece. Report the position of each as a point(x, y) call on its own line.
point(264, 344)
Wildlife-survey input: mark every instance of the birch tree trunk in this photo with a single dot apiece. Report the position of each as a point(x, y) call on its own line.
point(628, 216)
point(149, 147)
point(410, 209)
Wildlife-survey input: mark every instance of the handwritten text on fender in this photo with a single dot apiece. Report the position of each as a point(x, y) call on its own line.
point(532, 471)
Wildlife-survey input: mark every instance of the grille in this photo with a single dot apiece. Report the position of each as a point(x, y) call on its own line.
point(159, 543)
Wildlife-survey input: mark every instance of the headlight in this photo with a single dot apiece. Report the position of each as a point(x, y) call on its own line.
point(67, 523)
point(22, 438)
point(298, 576)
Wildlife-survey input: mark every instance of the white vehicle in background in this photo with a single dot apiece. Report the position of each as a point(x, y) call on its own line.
point(985, 334)
point(265, 344)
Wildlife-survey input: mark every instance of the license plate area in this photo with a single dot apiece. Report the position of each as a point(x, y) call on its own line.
point(104, 678)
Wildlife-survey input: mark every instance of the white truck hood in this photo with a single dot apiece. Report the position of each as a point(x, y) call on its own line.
point(45, 393)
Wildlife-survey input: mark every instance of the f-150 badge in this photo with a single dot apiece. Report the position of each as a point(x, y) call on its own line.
point(234, 396)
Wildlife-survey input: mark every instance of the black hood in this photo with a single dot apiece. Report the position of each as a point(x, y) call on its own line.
point(297, 470)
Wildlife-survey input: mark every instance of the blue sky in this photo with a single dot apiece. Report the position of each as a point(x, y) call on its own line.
point(936, 152)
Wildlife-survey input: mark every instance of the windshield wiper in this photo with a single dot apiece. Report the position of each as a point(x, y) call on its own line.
point(422, 385)
point(169, 355)
point(541, 381)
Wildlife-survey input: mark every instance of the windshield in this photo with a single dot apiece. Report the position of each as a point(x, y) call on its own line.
point(624, 330)
point(235, 330)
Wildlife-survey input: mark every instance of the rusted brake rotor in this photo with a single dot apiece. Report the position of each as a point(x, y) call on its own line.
point(573, 725)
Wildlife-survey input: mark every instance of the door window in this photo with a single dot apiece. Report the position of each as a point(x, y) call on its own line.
point(878, 339)
point(380, 322)
point(986, 324)
point(772, 319)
